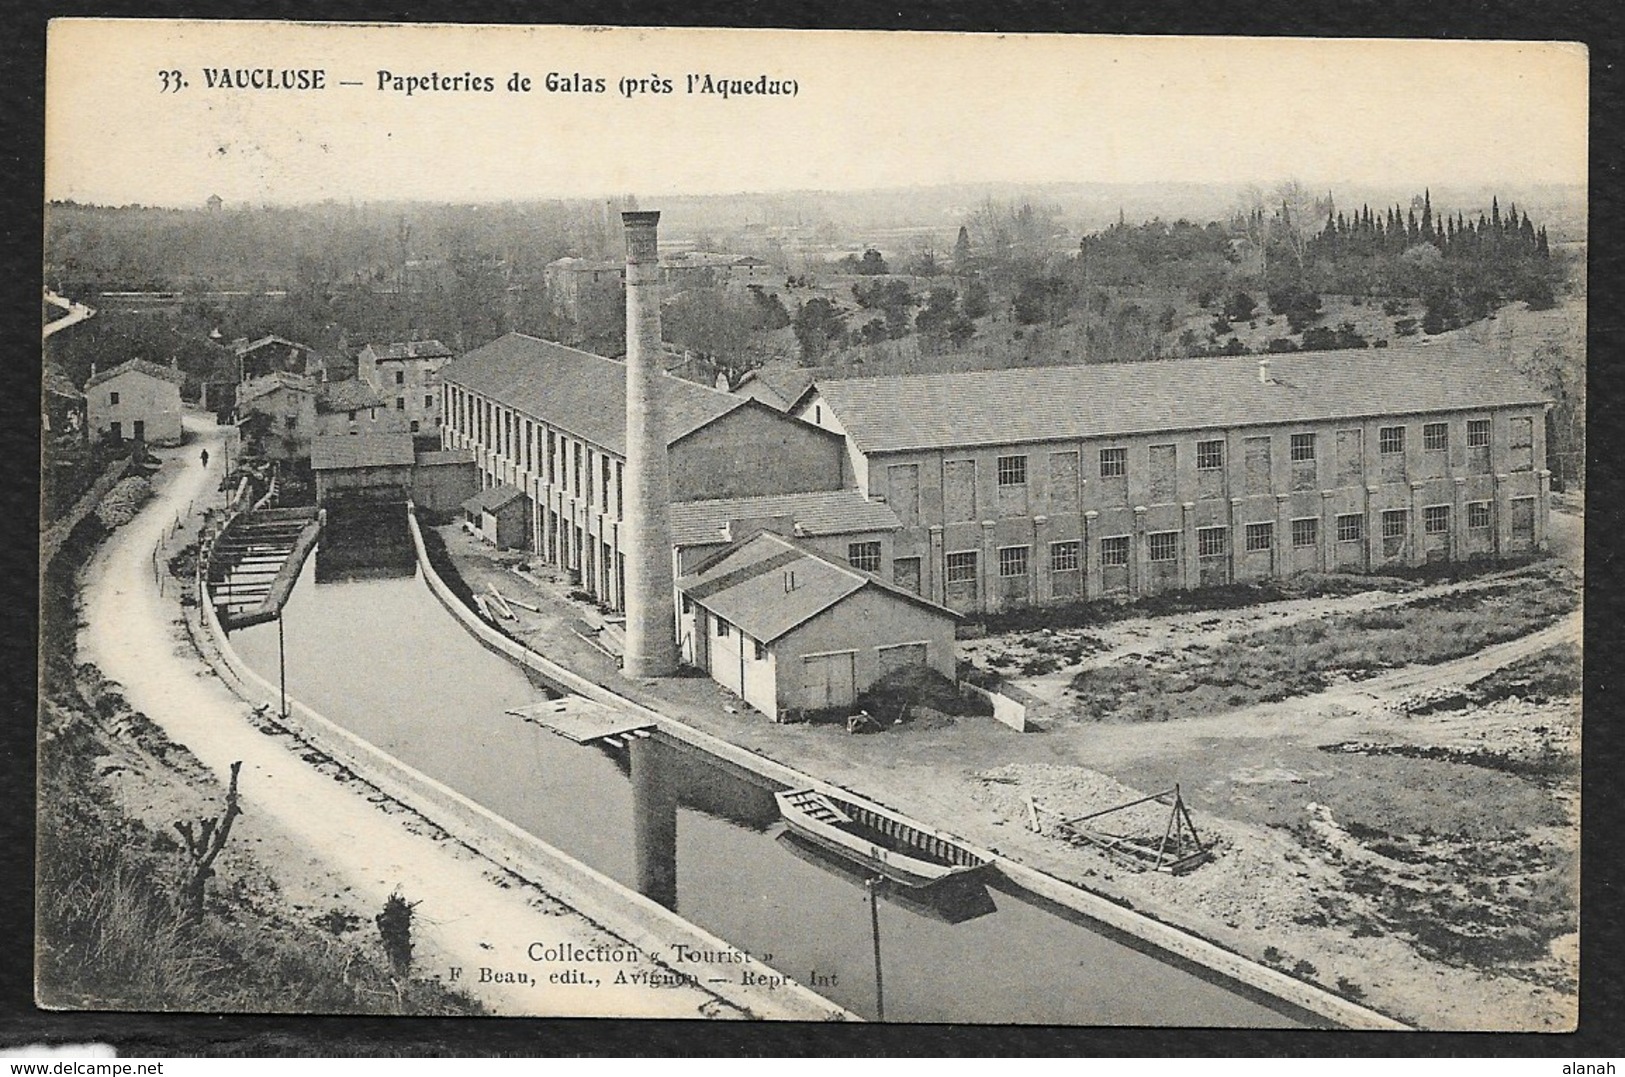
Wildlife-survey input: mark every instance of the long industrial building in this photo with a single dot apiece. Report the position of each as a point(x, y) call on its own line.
point(1033, 486)
point(551, 421)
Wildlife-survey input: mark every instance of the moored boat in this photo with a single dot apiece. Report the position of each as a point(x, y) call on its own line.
point(881, 843)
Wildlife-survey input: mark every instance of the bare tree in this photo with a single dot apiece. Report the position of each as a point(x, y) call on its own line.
point(203, 845)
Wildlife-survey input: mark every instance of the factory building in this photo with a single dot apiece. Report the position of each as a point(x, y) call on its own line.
point(551, 421)
point(1034, 486)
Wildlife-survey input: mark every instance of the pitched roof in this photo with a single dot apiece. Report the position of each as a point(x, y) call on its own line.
point(329, 452)
point(494, 498)
point(1006, 407)
point(825, 512)
point(351, 394)
point(576, 391)
point(748, 585)
point(787, 381)
point(243, 347)
point(138, 366)
point(267, 384)
point(407, 349)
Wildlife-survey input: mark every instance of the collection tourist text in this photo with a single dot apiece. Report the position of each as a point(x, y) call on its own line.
point(409, 84)
point(570, 964)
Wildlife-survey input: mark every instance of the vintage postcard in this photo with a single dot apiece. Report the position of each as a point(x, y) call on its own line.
point(815, 526)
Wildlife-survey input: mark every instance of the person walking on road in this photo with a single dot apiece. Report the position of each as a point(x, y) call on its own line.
point(205, 457)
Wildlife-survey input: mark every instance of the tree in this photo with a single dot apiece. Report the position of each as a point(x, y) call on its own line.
point(942, 322)
point(975, 302)
point(962, 251)
point(1042, 299)
point(1240, 307)
point(872, 264)
point(715, 326)
point(818, 328)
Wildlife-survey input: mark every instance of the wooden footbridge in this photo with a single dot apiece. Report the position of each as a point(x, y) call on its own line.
point(586, 721)
point(254, 560)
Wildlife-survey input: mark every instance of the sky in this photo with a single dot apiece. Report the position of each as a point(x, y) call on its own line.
point(869, 110)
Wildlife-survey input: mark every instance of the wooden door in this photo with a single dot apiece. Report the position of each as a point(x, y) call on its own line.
point(829, 680)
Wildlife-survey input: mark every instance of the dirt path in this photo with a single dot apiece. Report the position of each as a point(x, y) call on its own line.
point(331, 843)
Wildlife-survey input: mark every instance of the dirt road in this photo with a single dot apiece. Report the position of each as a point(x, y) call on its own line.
point(326, 845)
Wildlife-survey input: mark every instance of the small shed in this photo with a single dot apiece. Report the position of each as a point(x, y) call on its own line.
point(790, 629)
point(136, 401)
point(444, 479)
point(500, 515)
point(371, 466)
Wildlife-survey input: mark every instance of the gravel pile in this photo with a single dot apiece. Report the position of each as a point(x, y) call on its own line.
point(123, 501)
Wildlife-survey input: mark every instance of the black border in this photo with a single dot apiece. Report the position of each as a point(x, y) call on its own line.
point(22, 120)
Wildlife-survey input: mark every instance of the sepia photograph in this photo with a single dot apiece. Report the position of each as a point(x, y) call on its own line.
point(821, 526)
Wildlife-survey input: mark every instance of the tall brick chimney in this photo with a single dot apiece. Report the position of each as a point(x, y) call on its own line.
point(651, 636)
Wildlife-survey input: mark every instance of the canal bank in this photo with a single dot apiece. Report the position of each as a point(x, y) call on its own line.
point(329, 841)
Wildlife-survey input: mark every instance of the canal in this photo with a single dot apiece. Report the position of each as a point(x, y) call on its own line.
point(382, 658)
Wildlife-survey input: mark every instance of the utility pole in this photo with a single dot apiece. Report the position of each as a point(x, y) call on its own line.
point(872, 885)
point(281, 664)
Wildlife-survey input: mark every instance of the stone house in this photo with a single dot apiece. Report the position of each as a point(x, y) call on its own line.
point(136, 401)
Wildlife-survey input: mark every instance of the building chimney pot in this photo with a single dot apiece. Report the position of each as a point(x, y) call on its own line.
point(1264, 373)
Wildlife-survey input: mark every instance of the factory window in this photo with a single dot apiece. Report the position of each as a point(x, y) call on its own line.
point(1209, 455)
point(1350, 528)
point(1063, 556)
point(723, 628)
point(1210, 542)
point(1393, 523)
point(1303, 446)
point(1260, 537)
point(864, 556)
point(620, 484)
point(1113, 463)
point(1520, 444)
point(1305, 531)
point(352, 415)
point(1435, 437)
point(1013, 560)
point(962, 567)
point(1478, 433)
point(1164, 545)
point(1390, 440)
point(428, 402)
point(112, 398)
point(1478, 514)
point(1114, 551)
point(604, 471)
point(400, 377)
point(400, 403)
point(1012, 471)
point(1436, 519)
point(414, 426)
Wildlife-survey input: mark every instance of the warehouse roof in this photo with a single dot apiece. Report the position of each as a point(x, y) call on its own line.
point(578, 392)
point(769, 584)
point(824, 512)
point(1005, 407)
point(330, 452)
point(493, 498)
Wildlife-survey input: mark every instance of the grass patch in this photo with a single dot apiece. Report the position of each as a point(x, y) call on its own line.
point(1307, 657)
point(110, 930)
